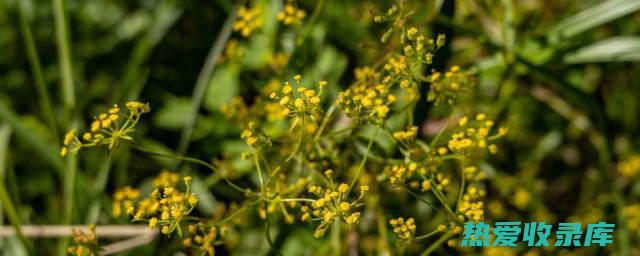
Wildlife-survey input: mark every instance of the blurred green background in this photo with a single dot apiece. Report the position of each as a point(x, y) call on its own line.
point(562, 75)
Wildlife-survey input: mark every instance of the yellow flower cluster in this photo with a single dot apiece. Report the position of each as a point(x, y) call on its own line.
point(166, 179)
point(407, 135)
point(255, 137)
point(107, 128)
point(473, 173)
point(631, 214)
point(367, 102)
point(476, 134)
point(397, 16)
point(202, 238)
point(301, 102)
point(405, 230)
point(86, 244)
point(332, 203)
point(166, 206)
point(291, 15)
point(447, 87)
point(419, 50)
point(248, 20)
point(471, 207)
point(399, 173)
point(629, 167)
point(124, 198)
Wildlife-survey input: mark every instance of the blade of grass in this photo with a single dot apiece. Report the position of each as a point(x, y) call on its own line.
point(203, 79)
point(622, 48)
point(5, 136)
point(64, 55)
point(34, 61)
point(592, 17)
point(6, 204)
point(69, 183)
point(66, 73)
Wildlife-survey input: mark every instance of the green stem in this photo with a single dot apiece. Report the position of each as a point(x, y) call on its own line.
point(203, 79)
point(299, 144)
point(420, 198)
point(325, 121)
point(427, 235)
point(462, 183)
point(364, 160)
point(437, 243)
point(64, 54)
point(195, 161)
point(69, 189)
point(442, 199)
point(12, 215)
point(335, 237)
point(34, 62)
point(314, 17)
point(263, 195)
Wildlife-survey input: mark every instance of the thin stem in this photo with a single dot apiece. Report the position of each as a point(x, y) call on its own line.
point(64, 54)
point(325, 121)
point(314, 17)
point(462, 183)
point(295, 151)
point(234, 214)
point(204, 77)
point(427, 235)
point(267, 226)
point(364, 160)
point(34, 62)
point(12, 215)
point(437, 243)
point(195, 161)
point(334, 133)
point(442, 199)
point(421, 199)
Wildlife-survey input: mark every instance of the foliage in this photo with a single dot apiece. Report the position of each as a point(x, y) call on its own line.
point(317, 127)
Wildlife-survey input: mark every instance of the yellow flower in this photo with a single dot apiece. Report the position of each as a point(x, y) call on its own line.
point(290, 15)
point(64, 151)
point(344, 206)
point(412, 32)
point(153, 222)
point(343, 188)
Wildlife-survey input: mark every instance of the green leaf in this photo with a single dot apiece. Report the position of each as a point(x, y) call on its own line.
point(46, 151)
point(592, 17)
point(172, 115)
point(623, 48)
point(206, 200)
point(223, 86)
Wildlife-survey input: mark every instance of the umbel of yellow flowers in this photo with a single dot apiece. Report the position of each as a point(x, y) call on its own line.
point(107, 128)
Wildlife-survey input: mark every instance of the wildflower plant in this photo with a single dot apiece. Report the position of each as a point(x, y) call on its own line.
point(107, 129)
point(321, 171)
